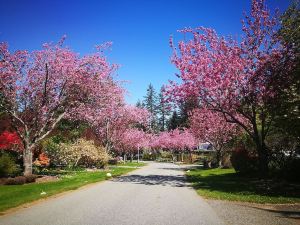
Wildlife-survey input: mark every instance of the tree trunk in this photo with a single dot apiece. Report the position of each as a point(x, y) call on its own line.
point(131, 157)
point(191, 157)
point(263, 158)
point(27, 161)
point(181, 156)
point(218, 158)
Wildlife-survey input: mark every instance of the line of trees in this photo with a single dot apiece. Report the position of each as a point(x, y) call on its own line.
point(165, 115)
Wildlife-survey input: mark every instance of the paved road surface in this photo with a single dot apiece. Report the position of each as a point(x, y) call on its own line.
point(154, 195)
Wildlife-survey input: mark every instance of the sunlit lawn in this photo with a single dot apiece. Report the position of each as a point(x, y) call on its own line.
point(226, 184)
point(15, 195)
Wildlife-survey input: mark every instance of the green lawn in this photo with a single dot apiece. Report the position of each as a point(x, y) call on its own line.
point(15, 195)
point(226, 184)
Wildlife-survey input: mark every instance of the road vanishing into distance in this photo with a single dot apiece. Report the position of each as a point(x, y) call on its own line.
point(156, 194)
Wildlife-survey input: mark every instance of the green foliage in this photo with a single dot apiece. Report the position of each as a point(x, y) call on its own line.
point(8, 166)
point(174, 121)
point(150, 103)
point(287, 106)
point(52, 148)
point(163, 111)
point(185, 108)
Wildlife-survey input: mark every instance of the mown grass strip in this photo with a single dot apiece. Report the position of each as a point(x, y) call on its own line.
point(226, 184)
point(15, 195)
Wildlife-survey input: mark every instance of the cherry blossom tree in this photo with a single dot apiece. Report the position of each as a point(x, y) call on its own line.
point(132, 141)
point(174, 141)
point(232, 77)
point(210, 126)
point(40, 88)
point(111, 124)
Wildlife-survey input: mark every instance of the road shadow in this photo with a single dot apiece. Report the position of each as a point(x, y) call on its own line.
point(182, 168)
point(164, 180)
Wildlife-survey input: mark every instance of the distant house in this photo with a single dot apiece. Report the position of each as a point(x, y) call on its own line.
point(206, 146)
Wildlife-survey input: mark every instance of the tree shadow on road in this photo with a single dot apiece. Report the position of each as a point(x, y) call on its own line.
point(164, 180)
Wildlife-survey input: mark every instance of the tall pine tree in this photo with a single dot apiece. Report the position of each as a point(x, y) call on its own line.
point(150, 103)
point(163, 110)
point(174, 121)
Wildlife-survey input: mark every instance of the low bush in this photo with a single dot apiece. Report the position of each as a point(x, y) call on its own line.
point(8, 166)
point(30, 178)
point(16, 180)
point(83, 153)
point(113, 161)
point(243, 161)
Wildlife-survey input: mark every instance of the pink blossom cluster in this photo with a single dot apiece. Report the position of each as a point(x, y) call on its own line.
point(174, 140)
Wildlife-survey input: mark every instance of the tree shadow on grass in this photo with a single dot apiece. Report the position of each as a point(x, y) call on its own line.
point(233, 183)
point(293, 214)
point(164, 180)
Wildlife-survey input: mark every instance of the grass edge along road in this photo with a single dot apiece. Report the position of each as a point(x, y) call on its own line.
point(226, 184)
point(15, 195)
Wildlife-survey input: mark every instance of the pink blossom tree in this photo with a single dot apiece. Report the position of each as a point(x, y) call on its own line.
point(42, 87)
point(210, 126)
point(132, 141)
point(174, 141)
point(111, 124)
point(233, 78)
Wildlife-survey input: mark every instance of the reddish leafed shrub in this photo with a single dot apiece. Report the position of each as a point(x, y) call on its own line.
point(42, 160)
point(16, 180)
point(30, 178)
point(10, 140)
point(243, 161)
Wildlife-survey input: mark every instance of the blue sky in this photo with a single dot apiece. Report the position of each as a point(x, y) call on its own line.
point(139, 30)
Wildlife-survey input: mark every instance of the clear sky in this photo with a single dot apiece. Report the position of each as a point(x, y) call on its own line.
point(139, 30)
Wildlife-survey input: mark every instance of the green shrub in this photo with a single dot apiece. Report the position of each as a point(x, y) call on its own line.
point(8, 167)
point(113, 161)
point(52, 149)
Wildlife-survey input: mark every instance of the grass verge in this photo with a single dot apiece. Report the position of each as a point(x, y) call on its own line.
point(226, 184)
point(15, 195)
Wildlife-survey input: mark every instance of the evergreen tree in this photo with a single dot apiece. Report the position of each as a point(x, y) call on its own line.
point(184, 108)
point(150, 103)
point(163, 109)
point(174, 121)
point(139, 104)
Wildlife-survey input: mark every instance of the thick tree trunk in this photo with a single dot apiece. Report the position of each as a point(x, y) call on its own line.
point(27, 161)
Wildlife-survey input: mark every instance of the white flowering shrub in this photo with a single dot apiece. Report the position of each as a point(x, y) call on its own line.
point(83, 153)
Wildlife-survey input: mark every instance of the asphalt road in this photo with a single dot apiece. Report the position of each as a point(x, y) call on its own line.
point(154, 195)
